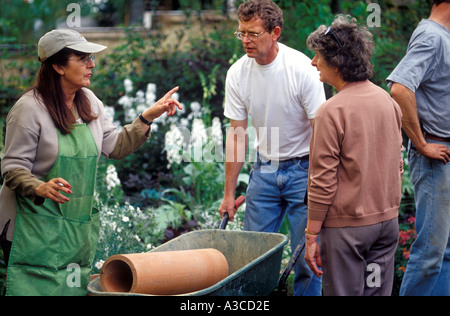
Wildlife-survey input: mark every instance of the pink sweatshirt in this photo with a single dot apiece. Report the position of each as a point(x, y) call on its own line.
point(355, 161)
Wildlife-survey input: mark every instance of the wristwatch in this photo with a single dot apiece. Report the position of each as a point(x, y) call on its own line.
point(142, 118)
point(148, 123)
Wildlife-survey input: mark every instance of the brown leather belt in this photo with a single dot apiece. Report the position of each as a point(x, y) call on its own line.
point(439, 139)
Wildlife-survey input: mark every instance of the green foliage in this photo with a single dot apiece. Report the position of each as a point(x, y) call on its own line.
point(407, 207)
point(209, 84)
point(23, 22)
point(301, 19)
point(191, 5)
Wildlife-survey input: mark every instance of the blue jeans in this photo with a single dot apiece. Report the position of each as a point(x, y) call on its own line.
point(428, 269)
point(276, 190)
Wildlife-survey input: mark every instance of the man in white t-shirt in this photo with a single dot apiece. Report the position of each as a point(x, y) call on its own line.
point(280, 90)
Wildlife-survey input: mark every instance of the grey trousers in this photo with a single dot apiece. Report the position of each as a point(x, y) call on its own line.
point(359, 261)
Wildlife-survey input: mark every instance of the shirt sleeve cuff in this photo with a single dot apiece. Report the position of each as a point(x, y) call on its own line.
point(317, 211)
point(25, 183)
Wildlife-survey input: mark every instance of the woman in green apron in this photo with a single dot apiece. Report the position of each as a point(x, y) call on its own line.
point(55, 135)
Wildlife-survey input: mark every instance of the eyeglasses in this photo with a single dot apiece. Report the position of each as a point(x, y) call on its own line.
point(330, 31)
point(85, 59)
point(251, 36)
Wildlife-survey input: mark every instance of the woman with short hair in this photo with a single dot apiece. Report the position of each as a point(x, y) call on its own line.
point(354, 188)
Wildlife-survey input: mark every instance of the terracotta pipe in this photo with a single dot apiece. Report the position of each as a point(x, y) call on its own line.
point(164, 273)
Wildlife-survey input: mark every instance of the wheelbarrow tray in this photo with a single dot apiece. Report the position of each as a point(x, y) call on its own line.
point(254, 261)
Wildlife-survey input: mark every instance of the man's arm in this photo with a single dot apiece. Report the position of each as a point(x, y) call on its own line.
point(407, 101)
point(236, 150)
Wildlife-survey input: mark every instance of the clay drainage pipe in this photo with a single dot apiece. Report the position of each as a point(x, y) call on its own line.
point(164, 273)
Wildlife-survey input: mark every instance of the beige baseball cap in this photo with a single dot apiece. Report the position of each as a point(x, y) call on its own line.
point(55, 40)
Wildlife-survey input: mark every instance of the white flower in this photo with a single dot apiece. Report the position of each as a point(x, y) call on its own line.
point(151, 88)
point(150, 96)
point(173, 145)
point(199, 135)
point(216, 131)
point(130, 114)
point(110, 112)
point(141, 108)
point(199, 138)
point(184, 122)
point(161, 119)
point(196, 111)
point(125, 219)
point(172, 120)
point(112, 180)
point(140, 97)
point(126, 102)
point(215, 142)
point(196, 106)
point(99, 264)
point(128, 84)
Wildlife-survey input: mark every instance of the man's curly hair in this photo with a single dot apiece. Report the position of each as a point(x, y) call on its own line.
point(266, 10)
point(353, 58)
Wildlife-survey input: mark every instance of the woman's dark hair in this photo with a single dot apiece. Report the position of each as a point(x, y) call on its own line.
point(48, 91)
point(351, 52)
point(266, 10)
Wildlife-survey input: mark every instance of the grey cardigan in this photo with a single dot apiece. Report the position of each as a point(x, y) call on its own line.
point(31, 144)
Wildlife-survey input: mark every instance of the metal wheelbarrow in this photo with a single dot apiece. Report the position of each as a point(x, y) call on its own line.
point(254, 261)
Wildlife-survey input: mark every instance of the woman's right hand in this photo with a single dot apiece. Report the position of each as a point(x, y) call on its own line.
point(50, 190)
point(165, 104)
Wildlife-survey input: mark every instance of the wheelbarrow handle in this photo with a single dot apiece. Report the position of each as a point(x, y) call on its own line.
point(284, 275)
point(226, 217)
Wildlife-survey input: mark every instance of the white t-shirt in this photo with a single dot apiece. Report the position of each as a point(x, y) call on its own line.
point(280, 97)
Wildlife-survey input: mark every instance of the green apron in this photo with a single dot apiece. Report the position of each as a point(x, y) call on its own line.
point(54, 244)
